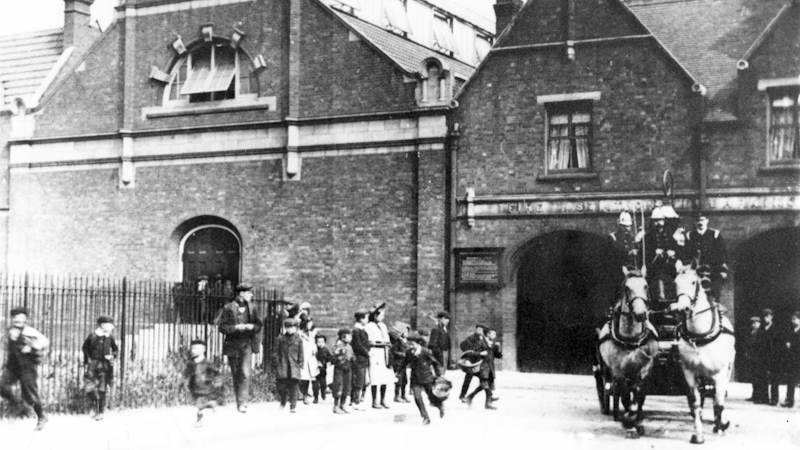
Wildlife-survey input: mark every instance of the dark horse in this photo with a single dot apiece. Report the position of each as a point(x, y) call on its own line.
point(628, 344)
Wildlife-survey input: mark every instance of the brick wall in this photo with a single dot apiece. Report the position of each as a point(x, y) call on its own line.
point(343, 237)
point(641, 122)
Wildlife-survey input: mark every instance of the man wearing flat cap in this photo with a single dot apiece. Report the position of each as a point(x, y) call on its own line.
point(752, 361)
point(240, 325)
point(769, 349)
point(25, 348)
point(99, 352)
point(440, 339)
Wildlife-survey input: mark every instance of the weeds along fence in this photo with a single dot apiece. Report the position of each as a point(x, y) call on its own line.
point(155, 322)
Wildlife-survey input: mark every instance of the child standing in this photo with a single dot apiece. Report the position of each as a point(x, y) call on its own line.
point(343, 361)
point(289, 364)
point(99, 352)
point(397, 336)
point(361, 346)
point(323, 358)
point(202, 380)
point(424, 370)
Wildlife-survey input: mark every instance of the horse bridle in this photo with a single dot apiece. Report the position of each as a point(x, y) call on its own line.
point(629, 302)
point(693, 300)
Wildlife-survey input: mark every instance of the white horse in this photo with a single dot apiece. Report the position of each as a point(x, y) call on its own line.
point(627, 347)
point(706, 347)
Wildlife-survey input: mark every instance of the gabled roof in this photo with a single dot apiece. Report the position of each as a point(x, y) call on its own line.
point(708, 37)
point(404, 53)
point(25, 62)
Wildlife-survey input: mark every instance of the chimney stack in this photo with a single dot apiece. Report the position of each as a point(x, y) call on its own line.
point(504, 11)
point(77, 30)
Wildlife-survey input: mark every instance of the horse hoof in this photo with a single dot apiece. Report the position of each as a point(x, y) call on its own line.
point(640, 430)
point(719, 429)
point(696, 439)
point(632, 434)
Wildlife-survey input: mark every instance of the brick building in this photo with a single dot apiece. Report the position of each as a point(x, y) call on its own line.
point(575, 114)
point(294, 143)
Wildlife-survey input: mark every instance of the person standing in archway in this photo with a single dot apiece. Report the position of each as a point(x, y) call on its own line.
point(240, 325)
point(380, 375)
point(627, 241)
point(792, 360)
point(708, 247)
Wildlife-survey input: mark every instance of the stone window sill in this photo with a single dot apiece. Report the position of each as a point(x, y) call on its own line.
point(216, 107)
point(778, 169)
point(562, 176)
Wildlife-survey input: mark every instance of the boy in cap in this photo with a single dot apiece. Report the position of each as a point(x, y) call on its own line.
point(792, 360)
point(424, 370)
point(99, 352)
point(289, 364)
point(343, 361)
point(440, 339)
point(323, 358)
point(470, 345)
point(240, 325)
point(489, 350)
point(202, 380)
point(361, 347)
point(25, 348)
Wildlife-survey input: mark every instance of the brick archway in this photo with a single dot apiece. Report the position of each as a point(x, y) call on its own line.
point(565, 282)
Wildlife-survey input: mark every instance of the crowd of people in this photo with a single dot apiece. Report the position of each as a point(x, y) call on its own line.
point(772, 357)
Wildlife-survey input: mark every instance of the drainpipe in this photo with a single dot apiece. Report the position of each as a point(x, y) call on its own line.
point(451, 147)
point(699, 143)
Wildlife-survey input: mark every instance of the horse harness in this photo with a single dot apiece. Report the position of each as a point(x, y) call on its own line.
point(717, 326)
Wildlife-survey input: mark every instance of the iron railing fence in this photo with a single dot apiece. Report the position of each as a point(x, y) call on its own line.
point(155, 321)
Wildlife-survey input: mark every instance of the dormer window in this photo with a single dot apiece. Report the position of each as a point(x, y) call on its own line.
point(443, 34)
point(210, 72)
point(396, 16)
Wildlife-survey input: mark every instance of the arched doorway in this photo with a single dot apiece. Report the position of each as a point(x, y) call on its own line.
point(212, 251)
point(566, 282)
point(767, 275)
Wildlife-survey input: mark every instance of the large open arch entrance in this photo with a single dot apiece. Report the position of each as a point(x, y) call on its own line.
point(767, 275)
point(566, 282)
point(211, 247)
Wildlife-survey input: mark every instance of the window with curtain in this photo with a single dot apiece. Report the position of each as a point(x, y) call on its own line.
point(569, 136)
point(213, 71)
point(784, 127)
point(443, 34)
point(396, 16)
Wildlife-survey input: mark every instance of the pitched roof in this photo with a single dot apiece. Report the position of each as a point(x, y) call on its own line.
point(405, 53)
point(25, 62)
point(708, 37)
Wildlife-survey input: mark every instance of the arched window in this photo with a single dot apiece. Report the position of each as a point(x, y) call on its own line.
point(433, 85)
point(209, 72)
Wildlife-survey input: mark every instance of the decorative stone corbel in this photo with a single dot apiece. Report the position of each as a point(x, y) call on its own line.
point(127, 170)
point(292, 162)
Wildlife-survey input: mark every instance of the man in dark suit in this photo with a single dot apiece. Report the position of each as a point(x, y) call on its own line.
point(289, 363)
point(708, 247)
point(769, 348)
point(240, 325)
point(361, 348)
point(489, 350)
point(792, 360)
point(470, 344)
point(439, 343)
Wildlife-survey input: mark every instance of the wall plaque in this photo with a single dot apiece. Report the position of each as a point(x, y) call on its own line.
point(478, 267)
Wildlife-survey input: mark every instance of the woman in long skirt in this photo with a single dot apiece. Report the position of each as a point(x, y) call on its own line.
point(380, 373)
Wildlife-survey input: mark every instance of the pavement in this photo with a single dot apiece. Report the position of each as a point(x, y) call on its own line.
point(535, 411)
